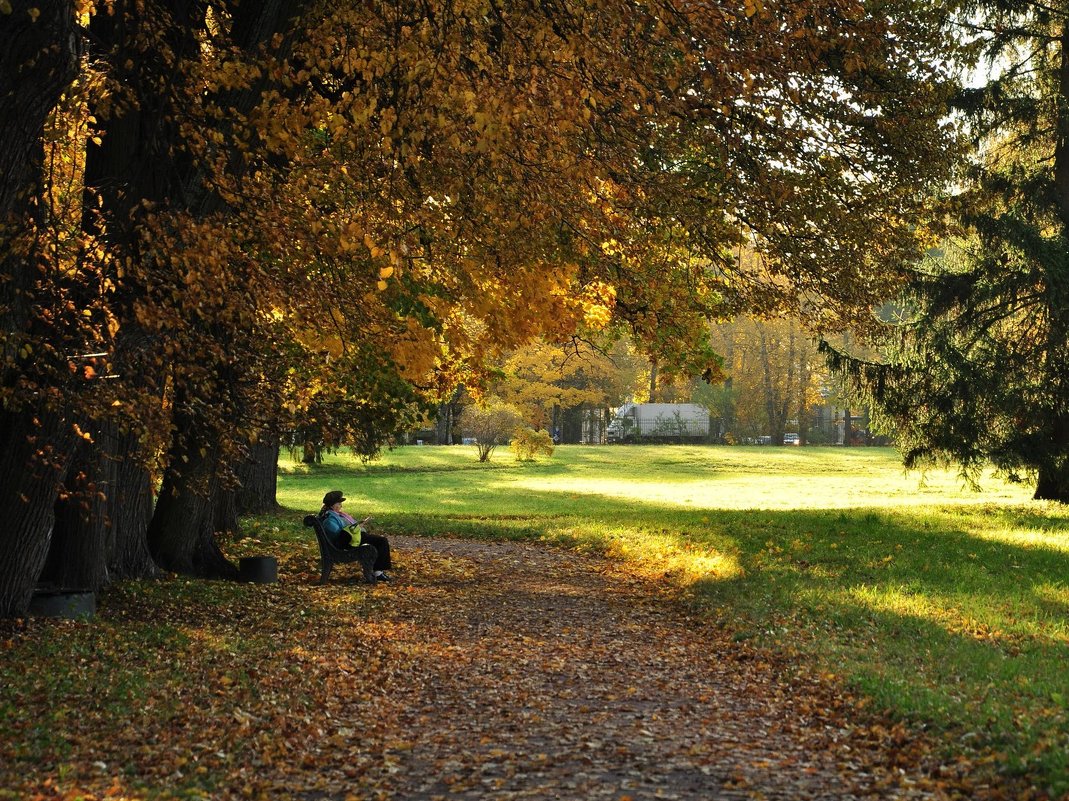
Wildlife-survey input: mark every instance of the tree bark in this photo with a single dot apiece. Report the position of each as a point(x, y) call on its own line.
point(225, 513)
point(1052, 482)
point(77, 555)
point(35, 458)
point(180, 513)
point(258, 493)
point(38, 60)
point(130, 503)
point(181, 534)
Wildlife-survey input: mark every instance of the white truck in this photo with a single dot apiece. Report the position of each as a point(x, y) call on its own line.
point(668, 422)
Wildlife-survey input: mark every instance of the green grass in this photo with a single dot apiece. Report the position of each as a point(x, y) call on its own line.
point(948, 607)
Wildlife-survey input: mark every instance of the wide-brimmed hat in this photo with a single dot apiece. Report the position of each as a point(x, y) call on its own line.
point(333, 497)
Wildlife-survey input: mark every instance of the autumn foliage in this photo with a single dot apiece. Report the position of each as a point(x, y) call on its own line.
point(276, 209)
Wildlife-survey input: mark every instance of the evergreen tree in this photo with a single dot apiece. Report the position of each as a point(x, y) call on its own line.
point(978, 368)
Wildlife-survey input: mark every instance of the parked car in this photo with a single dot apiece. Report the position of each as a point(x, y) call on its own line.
point(791, 439)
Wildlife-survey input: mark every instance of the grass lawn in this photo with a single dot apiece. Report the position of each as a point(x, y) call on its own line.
point(947, 606)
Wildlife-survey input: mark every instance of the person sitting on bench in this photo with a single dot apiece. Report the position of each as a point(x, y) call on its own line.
point(338, 527)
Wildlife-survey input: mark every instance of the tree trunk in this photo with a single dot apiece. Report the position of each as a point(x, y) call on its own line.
point(653, 381)
point(1052, 483)
point(259, 479)
point(130, 505)
point(225, 513)
point(181, 536)
point(77, 555)
point(774, 410)
point(38, 60)
point(33, 463)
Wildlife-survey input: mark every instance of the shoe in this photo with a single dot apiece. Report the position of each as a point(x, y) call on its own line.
point(381, 576)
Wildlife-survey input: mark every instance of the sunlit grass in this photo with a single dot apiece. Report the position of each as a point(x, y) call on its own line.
point(945, 605)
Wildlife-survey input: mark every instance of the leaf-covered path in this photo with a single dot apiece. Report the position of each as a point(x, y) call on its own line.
point(534, 673)
point(485, 671)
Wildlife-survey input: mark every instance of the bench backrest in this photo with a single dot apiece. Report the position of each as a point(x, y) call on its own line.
point(325, 546)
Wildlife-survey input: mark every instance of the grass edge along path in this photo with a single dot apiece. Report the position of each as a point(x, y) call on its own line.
point(948, 607)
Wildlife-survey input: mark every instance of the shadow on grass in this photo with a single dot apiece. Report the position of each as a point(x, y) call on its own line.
point(954, 616)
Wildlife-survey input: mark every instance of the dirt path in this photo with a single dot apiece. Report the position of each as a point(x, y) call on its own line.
point(525, 673)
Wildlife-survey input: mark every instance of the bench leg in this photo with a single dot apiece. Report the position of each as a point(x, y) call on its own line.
point(324, 572)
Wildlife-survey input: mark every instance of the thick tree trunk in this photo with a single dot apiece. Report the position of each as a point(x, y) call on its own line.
point(130, 504)
point(34, 460)
point(181, 536)
point(78, 552)
point(225, 513)
point(38, 60)
point(259, 479)
point(1052, 483)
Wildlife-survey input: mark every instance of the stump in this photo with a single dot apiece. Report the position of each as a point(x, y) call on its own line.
point(258, 569)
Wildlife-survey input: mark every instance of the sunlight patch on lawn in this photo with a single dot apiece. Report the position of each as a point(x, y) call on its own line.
point(896, 600)
point(764, 492)
point(663, 554)
point(1023, 537)
point(992, 622)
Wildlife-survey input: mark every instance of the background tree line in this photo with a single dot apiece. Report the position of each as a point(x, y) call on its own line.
point(771, 380)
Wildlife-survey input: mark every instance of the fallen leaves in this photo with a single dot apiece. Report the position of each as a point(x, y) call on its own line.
point(487, 670)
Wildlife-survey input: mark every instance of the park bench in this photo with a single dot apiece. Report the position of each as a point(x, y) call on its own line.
point(330, 556)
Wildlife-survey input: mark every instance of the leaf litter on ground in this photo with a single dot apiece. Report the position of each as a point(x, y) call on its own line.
point(486, 670)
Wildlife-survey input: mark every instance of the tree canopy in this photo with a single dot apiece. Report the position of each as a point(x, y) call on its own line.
point(286, 207)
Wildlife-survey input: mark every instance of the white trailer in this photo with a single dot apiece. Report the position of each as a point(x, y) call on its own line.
point(659, 421)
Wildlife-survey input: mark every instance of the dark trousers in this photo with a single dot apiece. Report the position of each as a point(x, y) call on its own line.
point(382, 545)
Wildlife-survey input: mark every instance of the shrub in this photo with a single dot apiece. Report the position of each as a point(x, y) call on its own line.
point(528, 443)
point(489, 424)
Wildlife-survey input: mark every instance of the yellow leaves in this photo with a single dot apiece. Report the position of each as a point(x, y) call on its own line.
point(468, 98)
point(34, 13)
point(360, 114)
point(351, 237)
point(373, 249)
point(5, 7)
point(387, 120)
point(753, 7)
point(598, 300)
